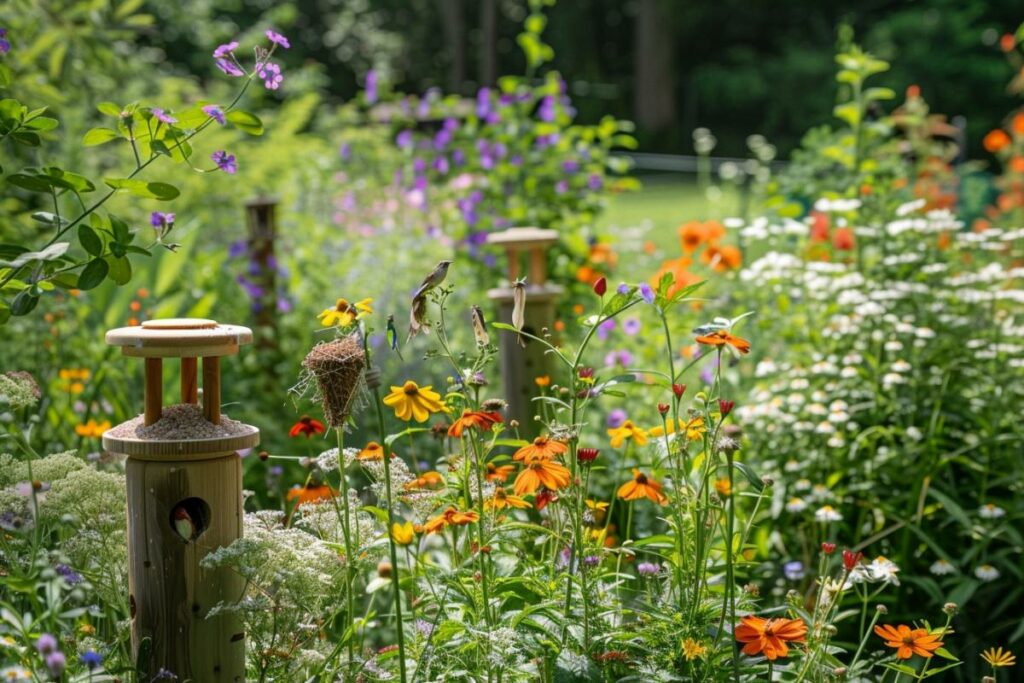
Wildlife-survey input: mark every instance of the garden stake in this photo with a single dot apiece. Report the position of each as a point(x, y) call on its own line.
point(184, 501)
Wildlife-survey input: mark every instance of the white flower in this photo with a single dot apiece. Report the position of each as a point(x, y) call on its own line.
point(802, 484)
point(826, 514)
point(913, 433)
point(894, 345)
point(901, 366)
point(942, 568)
point(991, 511)
point(883, 570)
point(825, 427)
point(796, 505)
point(837, 441)
point(849, 372)
point(891, 379)
point(987, 572)
point(15, 674)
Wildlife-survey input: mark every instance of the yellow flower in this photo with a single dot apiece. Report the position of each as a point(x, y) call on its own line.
point(344, 313)
point(692, 649)
point(92, 428)
point(627, 430)
point(403, 534)
point(503, 500)
point(412, 402)
point(997, 657)
point(694, 428)
point(723, 487)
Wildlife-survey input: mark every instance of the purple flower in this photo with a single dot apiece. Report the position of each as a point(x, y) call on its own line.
point(91, 659)
point(441, 165)
point(278, 39)
point(563, 558)
point(623, 289)
point(546, 111)
point(621, 357)
point(794, 571)
point(271, 75)
point(345, 151)
point(442, 138)
point(646, 292)
point(225, 161)
point(404, 139)
point(707, 375)
point(161, 115)
point(604, 328)
point(631, 326)
point(224, 50)
point(229, 67)
point(371, 86)
point(570, 165)
point(594, 182)
point(648, 569)
point(616, 418)
point(424, 628)
point(458, 157)
point(159, 219)
point(483, 103)
point(451, 125)
point(55, 663)
point(70, 576)
point(591, 560)
point(237, 248)
point(214, 112)
point(561, 187)
point(46, 644)
point(5, 45)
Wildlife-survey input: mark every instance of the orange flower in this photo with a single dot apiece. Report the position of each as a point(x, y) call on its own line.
point(1017, 164)
point(1017, 124)
point(373, 451)
point(499, 473)
point(428, 480)
point(769, 635)
point(311, 493)
point(691, 235)
point(642, 487)
point(996, 140)
point(502, 500)
point(909, 642)
point(713, 231)
point(722, 258)
point(541, 472)
point(306, 425)
point(721, 337)
point(481, 420)
point(543, 447)
point(542, 380)
point(681, 276)
point(450, 517)
point(843, 239)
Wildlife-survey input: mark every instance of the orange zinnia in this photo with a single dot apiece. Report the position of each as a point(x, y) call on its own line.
point(722, 337)
point(722, 258)
point(311, 493)
point(503, 500)
point(909, 642)
point(373, 451)
point(691, 235)
point(499, 473)
point(642, 487)
point(540, 472)
point(769, 635)
point(450, 517)
point(996, 140)
point(481, 420)
point(542, 447)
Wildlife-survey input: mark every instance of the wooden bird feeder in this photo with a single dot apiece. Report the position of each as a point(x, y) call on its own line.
point(184, 501)
point(521, 366)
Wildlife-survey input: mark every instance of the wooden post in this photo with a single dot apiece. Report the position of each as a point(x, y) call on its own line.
point(154, 389)
point(211, 389)
point(184, 501)
point(189, 381)
point(521, 366)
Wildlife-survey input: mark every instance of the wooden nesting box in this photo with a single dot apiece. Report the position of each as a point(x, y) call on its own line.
point(521, 366)
point(184, 501)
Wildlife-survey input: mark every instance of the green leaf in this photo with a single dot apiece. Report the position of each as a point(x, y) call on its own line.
point(91, 242)
point(5, 312)
point(121, 232)
point(245, 122)
point(93, 274)
point(42, 123)
point(391, 438)
point(120, 269)
point(25, 302)
point(109, 108)
point(99, 136)
point(50, 253)
point(32, 183)
point(68, 180)
point(755, 481)
point(26, 138)
point(141, 188)
point(849, 113)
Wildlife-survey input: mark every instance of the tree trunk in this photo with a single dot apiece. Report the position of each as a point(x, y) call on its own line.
point(488, 69)
point(453, 17)
point(654, 89)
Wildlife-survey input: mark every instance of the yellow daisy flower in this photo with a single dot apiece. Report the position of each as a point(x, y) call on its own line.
point(413, 402)
point(345, 313)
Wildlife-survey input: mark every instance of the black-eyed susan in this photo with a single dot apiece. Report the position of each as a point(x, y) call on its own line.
point(427, 480)
point(451, 516)
point(543, 447)
point(499, 473)
point(642, 486)
point(501, 500)
point(372, 451)
point(540, 472)
point(627, 430)
point(345, 313)
point(310, 493)
point(480, 420)
point(307, 426)
point(413, 402)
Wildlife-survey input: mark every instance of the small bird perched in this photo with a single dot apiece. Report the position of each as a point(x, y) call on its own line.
point(519, 308)
point(183, 524)
point(417, 315)
point(479, 326)
point(393, 336)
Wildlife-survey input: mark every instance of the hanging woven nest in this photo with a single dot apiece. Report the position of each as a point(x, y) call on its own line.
point(338, 368)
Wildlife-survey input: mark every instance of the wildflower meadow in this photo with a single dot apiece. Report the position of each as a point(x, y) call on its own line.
point(428, 382)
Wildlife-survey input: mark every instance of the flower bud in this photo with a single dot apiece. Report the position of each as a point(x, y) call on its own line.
point(679, 390)
point(264, 455)
point(601, 286)
point(950, 608)
point(882, 609)
point(851, 559)
point(587, 455)
point(828, 548)
point(725, 407)
point(663, 408)
point(384, 570)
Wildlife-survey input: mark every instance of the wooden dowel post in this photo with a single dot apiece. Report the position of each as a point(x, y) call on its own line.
point(154, 387)
point(538, 266)
point(211, 388)
point(190, 380)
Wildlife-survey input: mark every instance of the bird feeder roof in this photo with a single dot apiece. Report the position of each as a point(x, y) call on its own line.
point(179, 338)
point(523, 238)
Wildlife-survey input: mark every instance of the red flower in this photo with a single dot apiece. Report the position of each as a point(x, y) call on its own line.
point(601, 286)
point(725, 407)
point(851, 559)
point(828, 548)
point(306, 425)
point(679, 390)
point(587, 455)
point(543, 497)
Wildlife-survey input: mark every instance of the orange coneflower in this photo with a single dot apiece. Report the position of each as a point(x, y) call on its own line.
point(909, 642)
point(502, 500)
point(769, 635)
point(306, 425)
point(540, 472)
point(450, 517)
point(542, 447)
point(311, 493)
point(723, 337)
point(996, 140)
point(722, 258)
point(427, 480)
point(481, 420)
point(691, 235)
point(499, 473)
point(642, 487)
point(373, 451)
